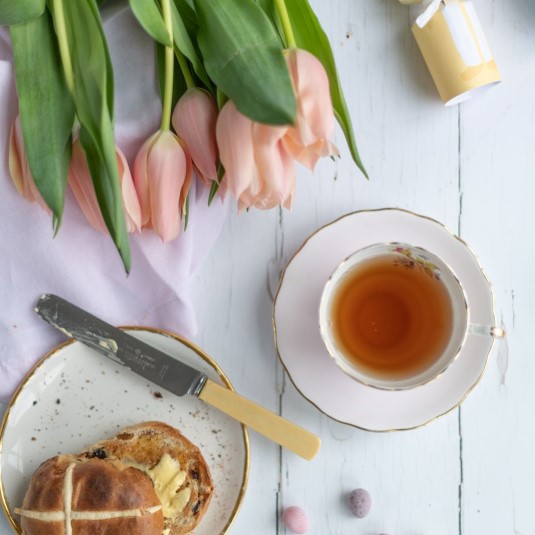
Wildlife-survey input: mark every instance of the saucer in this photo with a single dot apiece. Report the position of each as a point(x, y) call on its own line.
point(309, 365)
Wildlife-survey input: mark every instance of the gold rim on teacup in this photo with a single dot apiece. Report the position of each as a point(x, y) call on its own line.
point(410, 256)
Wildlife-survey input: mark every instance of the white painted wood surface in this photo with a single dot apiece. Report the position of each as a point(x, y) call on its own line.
point(471, 472)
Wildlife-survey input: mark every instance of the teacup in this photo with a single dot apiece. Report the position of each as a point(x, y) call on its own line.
point(395, 316)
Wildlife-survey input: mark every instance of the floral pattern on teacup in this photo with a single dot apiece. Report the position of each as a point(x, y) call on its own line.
point(409, 260)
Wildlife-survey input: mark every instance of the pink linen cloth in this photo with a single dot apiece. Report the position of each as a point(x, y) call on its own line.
point(81, 264)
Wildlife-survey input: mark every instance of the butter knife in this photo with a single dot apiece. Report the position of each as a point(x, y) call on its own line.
point(171, 374)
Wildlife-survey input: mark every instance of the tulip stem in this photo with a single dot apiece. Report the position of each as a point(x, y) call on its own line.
point(185, 69)
point(286, 24)
point(63, 43)
point(169, 66)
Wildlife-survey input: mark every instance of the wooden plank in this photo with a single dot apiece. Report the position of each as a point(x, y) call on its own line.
point(232, 302)
point(498, 189)
point(409, 143)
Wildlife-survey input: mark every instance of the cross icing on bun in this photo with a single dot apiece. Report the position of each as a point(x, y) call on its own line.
point(70, 495)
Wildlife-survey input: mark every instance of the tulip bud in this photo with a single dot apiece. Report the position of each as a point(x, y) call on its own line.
point(194, 120)
point(259, 158)
point(309, 139)
point(19, 168)
point(162, 177)
point(258, 170)
point(82, 187)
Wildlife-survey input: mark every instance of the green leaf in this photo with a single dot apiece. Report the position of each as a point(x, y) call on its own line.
point(214, 187)
point(17, 11)
point(185, 45)
point(149, 16)
point(310, 35)
point(243, 56)
point(268, 7)
point(213, 190)
point(186, 213)
point(189, 3)
point(45, 107)
point(188, 16)
point(93, 97)
point(221, 98)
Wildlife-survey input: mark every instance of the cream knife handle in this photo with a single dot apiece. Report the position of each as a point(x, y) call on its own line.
point(267, 423)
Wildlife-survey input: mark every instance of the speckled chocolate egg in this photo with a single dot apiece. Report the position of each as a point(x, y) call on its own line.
point(295, 519)
point(360, 502)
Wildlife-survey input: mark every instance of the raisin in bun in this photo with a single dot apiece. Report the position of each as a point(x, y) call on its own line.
point(179, 472)
point(71, 495)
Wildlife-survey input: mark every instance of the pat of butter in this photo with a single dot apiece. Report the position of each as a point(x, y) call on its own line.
point(109, 344)
point(168, 478)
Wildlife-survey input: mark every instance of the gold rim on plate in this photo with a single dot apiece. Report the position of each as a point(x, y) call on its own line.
point(468, 248)
point(163, 332)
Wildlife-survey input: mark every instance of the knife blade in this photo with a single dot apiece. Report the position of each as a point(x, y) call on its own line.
point(170, 373)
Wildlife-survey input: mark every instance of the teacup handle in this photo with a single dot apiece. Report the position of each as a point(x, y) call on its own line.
point(486, 330)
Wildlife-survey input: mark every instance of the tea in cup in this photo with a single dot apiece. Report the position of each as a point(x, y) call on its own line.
point(394, 316)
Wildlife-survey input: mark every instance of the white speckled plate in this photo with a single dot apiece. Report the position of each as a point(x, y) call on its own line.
point(75, 397)
point(305, 358)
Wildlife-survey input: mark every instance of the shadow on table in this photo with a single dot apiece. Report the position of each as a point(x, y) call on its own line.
point(525, 10)
point(400, 19)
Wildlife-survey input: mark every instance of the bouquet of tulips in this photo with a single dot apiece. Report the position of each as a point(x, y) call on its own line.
point(248, 87)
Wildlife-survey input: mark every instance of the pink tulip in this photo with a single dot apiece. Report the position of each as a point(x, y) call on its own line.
point(194, 120)
point(84, 192)
point(309, 139)
point(19, 168)
point(259, 171)
point(162, 176)
point(258, 158)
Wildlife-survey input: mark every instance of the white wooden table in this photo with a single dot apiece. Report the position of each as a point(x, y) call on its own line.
point(472, 167)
